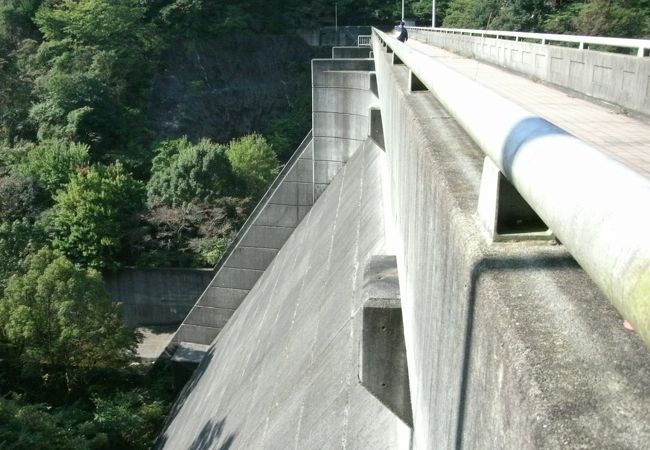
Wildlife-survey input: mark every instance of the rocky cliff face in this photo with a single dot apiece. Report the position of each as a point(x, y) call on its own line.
point(228, 87)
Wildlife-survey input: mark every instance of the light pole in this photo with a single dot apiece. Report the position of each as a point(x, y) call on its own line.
point(433, 14)
point(402, 10)
point(336, 22)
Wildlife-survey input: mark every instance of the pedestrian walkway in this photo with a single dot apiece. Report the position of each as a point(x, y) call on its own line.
point(608, 129)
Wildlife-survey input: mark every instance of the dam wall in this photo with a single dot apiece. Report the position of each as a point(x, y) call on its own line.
point(473, 342)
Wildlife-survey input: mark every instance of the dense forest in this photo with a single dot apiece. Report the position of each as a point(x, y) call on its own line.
point(141, 132)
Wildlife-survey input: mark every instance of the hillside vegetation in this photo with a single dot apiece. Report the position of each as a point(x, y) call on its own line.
point(141, 132)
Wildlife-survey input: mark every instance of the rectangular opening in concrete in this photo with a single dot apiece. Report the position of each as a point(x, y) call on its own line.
point(376, 128)
point(374, 88)
point(415, 85)
point(389, 50)
point(397, 60)
point(514, 215)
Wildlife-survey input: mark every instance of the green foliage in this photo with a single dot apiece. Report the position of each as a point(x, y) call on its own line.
point(284, 134)
point(254, 162)
point(625, 18)
point(93, 69)
point(61, 316)
point(52, 162)
point(18, 240)
point(183, 172)
point(95, 215)
point(37, 427)
point(20, 197)
point(129, 419)
point(191, 235)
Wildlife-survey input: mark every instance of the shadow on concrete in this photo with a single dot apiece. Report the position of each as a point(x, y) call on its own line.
point(482, 267)
point(210, 434)
point(181, 372)
point(525, 131)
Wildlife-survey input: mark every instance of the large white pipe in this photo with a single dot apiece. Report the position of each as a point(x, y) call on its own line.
point(596, 206)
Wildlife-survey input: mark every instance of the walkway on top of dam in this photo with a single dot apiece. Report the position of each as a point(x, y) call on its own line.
point(607, 129)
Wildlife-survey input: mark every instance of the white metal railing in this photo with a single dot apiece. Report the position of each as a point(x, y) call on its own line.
point(583, 42)
point(364, 40)
point(595, 205)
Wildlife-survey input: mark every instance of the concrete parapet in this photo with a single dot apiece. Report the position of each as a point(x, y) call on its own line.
point(509, 345)
point(620, 79)
point(607, 236)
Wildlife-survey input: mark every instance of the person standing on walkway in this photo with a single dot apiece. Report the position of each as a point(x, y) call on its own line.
point(403, 34)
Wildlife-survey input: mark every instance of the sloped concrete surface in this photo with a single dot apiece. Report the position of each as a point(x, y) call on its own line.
point(269, 226)
point(283, 373)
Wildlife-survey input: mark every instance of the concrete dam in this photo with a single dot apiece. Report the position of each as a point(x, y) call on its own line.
point(456, 256)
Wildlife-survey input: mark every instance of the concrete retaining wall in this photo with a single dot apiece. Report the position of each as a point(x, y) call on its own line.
point(508, 345)
point(620, 79)
point(156, 296)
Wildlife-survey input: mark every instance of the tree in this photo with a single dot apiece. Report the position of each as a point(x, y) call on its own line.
point(20, 197)
point(59, 315)
point(183, 172)
point(93, 70)
point(254, 162)
point(52, 162)
point(18, 240)
point(94, 217)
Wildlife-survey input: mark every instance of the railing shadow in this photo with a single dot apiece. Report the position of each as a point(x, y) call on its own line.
point(481, 268)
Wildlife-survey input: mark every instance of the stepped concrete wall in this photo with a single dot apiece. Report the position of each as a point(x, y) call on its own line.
point(509, 345)
point(341, 102)
point(283, 373)
point(268, 228)
point(621, 79)
point(156, 296)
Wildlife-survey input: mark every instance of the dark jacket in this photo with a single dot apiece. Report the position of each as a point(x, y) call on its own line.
point(403, 34)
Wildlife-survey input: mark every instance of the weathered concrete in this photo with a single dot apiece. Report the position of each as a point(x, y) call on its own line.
point(621, 79)
point(156, 296)
point(383, 369)
point(351, 52)
point(508, 345)
point(607, 236)
point(283, 372)
point(341, 102)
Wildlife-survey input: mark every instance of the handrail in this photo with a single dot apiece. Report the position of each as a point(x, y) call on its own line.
point(596, 206)
point(364, 40)
point(640, 44)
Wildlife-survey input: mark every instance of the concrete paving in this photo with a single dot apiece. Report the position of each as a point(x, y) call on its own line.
point(608, 129)
point(154, 341)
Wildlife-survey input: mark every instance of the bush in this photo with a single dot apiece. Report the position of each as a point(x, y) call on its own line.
point(52, 162)
point(183, 172)
point(94, 218)
point(254, 162)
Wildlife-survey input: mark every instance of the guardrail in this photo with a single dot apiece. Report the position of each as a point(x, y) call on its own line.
point(583, 42)
point(597, 207)
point(364, 40)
